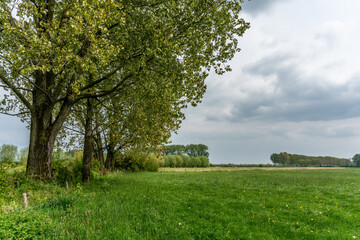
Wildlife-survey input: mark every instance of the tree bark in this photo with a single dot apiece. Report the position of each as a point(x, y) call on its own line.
point(109, 158)
point(99, 146)
point(44, 129)
point(88, 142)
point(40, 150)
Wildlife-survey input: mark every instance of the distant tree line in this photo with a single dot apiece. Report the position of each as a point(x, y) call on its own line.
point(174, 161)
point(356, 160)
point(192, 150)
point(301, 160)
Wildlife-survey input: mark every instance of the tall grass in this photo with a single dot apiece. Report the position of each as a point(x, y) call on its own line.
point(308, 204)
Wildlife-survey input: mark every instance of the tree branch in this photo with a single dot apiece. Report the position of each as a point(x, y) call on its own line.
point(14, 114)
point(17, 92)
point(24, 89)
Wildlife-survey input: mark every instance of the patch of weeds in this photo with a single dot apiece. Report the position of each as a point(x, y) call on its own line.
point(60, 202)
point(21, 225)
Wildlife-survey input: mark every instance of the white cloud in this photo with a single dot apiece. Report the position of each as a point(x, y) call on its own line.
point(295, 86)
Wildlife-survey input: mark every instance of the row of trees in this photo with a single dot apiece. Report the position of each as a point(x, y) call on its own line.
point(185, 161)
point(302, 160)
point(110, 75)
point(356, 160)
point(192, 150)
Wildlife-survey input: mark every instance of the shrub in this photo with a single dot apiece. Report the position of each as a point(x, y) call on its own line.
point(152, 163)
point(172, 161)
point(139, 161)
point(196, 162)
point(60, 202)
point(186, 160)
point(167, 161)
point(179, 161)
point(5, 183)
point(204, 161)
point(21, 225)
point(161, 160)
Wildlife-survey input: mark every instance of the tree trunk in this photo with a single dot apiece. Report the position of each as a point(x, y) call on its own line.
point(88, 144)
point(43, 131)
point(99, 145)
point(109, 158)
point(40, 150)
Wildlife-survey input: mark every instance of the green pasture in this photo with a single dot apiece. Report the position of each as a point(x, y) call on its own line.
point(251, 204)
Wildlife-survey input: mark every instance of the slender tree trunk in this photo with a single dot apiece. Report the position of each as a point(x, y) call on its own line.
point(109, 158)
point(88, 144)
point(99, 145)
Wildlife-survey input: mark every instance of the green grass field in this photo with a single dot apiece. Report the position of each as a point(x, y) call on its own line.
point(252, 204)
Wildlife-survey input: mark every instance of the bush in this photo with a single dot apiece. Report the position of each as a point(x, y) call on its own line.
point(21, 225)
point(167, 161)
point(152, 163)
point(67, 171)
point(139, 161)
point(172, 161)
point(61, 202)
point(161, 160)
point(5, 183)
point(186, 160)
point(196, 162)
point(179, 161)
point(204, 161)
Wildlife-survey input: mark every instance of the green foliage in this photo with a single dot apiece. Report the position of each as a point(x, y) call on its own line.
point(152, 58)
point(172, 160)
point(60, 202)
point(356, 160)
point(204, 161)
point(152, 162)
point(167, 161)
point(139, 161)
point(67, 171)
point(179, 161)
point(186, 161)
point(23, 155)
point(8, 153)
point(5, 184)
point(192, 150)
point(196, 161)
point(302, 160)
point(21, 225)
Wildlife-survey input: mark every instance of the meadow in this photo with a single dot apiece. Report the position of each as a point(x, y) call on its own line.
point(251, 204)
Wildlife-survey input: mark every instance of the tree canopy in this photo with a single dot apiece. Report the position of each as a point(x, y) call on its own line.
point(8, 153)
point(54, 54)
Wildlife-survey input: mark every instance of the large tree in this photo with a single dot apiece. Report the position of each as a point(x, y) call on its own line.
point(54, 53)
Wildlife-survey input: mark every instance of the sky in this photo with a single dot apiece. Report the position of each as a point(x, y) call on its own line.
point(294, 87)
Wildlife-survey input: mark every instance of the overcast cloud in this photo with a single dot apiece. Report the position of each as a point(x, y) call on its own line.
point(295, 87)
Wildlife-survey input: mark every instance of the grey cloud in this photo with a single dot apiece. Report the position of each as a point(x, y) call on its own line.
point(255, 7)
point(296, 98)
